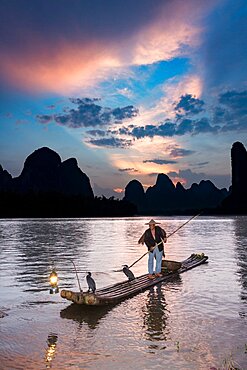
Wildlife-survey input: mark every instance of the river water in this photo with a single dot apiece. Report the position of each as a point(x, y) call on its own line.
point(196, 321)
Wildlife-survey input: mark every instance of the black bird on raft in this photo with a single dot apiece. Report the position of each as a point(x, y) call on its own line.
point(128, 273)
point(90, 282)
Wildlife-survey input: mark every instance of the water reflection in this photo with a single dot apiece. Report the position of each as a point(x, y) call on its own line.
point(155, 315)
point(240, 224)
point(83, 314)
point(51, 349)
point(102, 337)
point(155, 312)
point(43, 244)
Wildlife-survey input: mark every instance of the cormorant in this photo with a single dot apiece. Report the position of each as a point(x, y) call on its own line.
point(90, 282)
point(128, 273)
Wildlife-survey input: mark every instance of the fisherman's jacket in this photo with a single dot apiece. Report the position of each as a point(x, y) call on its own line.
point(150, 242)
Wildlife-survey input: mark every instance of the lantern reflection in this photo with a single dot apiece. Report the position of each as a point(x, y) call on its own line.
point(51, 349)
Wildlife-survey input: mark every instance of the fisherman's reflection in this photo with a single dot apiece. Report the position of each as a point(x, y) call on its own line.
point(155, 314)
point(51, 349)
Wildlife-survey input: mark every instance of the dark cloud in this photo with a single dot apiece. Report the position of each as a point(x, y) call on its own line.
point(185, 127)
point(54, 23)
point(188, 176)
point(219, 115)
point(159, 161)
point(124, 130)
point(120, 114)
point(111, 142)
point(189, 105)
point(201, 164)
point(96, 132)
point(231, 113)
point(44, 118)
point(203, 126)
point(127, 170)
point(180, 152)
point(165, 129)
point(221, 181)
point(169, 129)
point(195, 127)
point(235, 102)
point(88, 113)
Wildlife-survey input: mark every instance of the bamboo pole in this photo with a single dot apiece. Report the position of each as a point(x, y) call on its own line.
point(180, 227)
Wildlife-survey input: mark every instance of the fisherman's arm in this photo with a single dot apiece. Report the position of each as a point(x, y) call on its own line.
point(141, 240)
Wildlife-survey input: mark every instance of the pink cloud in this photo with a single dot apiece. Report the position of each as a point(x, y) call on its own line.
point(63, 59)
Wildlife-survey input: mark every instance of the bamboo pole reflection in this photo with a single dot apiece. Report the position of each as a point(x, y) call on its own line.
point(51, 349)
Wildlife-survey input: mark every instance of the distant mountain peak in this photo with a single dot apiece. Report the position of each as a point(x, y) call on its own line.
point(71, 162)
point(163, 181)
point(42, 157)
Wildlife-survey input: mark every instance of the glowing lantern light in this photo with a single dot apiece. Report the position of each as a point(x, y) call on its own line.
point(53, 282)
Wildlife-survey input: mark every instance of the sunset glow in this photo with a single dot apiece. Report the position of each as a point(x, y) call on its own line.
point(160, 89)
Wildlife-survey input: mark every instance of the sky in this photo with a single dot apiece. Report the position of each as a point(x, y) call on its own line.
point(129, 88)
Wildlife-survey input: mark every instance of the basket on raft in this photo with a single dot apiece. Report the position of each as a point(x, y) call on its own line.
point(170, 266)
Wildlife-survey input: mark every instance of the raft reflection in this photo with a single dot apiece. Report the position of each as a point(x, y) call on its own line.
point(82, 314)
point(51, 349)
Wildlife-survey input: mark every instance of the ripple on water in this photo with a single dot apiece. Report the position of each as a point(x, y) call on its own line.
point(188, 323)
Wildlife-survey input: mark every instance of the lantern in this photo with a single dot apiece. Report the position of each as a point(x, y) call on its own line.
point(53, 282)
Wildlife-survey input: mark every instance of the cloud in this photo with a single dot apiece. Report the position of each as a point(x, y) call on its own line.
point(169, 129)
point(159, 161)
point(185, 126)
point(96, 132)
point(188, 105)
point(111, 142)
point(179, 152)
point(236, 105)
point(78, 44)
point(88, 113)
point(127, 170)
point(165, 129)
point(44, 118)
point(236, 101)
point(201, 164)
point(203, 126)
point(231, 112)
point(120, 114)
point(188, 177)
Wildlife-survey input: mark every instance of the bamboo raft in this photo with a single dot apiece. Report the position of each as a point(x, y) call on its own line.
point(120, 291)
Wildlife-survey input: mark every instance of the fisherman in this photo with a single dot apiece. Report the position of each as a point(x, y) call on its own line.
point(154, 238)
point(90, 282)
